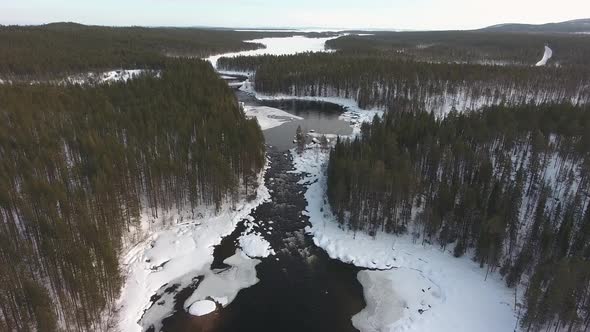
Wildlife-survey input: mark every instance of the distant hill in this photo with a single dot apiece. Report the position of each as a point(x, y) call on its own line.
point(580, 25)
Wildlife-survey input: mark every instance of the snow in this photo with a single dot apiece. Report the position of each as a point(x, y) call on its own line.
point(112, 76)
point(254, 245)
point(278, 46)
point(391, 295)
point(235, 84)
point(120, 76)
point(460, 297)
point(223, 286)
point(292, 30)
point(201, 308)
point(546, 56)
point(252, 242)
point(173, 252)
point(269, 117)
point(226, 77)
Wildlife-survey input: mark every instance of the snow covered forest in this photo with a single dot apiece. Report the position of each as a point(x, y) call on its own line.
point(475, 46)
point(129, 168)
point(507, 185)
point(78, 164)
point(376, 80)
point(60, 49)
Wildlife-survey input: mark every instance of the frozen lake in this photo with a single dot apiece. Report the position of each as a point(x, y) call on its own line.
point(279, 46)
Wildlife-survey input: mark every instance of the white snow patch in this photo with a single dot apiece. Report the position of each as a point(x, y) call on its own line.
point(225, 285)
point(254, 245)
point(392, 295)
point(269, 117)
point(226, 77)
point(113, 76)
point(461, 297)
point(546, 56)
point(235, 84)
point(201, 308)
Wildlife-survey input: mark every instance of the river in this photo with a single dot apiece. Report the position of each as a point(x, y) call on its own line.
point(300, 288)
point(199, 266)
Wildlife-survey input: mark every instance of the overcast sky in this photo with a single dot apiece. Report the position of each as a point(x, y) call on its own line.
point(391, 14)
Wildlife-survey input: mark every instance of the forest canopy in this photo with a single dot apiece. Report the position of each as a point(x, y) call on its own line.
point(507, 185)
point(478, 47)
point(79, 163)
point(66, 48)
point(378, 80)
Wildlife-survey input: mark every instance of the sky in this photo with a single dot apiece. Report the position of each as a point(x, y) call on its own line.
point(368, 14)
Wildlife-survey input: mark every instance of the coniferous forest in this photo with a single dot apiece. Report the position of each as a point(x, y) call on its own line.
point(58, 49)
point(508, 186)
point(475, 46)
point(478, 152)
point(78, 163)
point(378, 80)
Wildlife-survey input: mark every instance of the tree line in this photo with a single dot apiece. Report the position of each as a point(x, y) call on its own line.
point(47, 51)
point(79, 163)
point(509, 185)
point(477, 47)
point(378, 80)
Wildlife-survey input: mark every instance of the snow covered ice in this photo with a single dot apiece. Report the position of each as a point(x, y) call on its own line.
point(393, 294)
point(254, 245)
point(269, 117)
point(201, 308)
point(222, 286)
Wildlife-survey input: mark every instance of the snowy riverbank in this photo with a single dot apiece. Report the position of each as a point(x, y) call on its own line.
point(175, 254)
point(423, 288)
